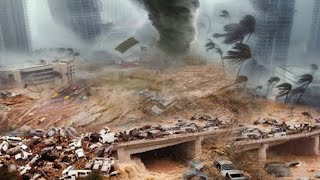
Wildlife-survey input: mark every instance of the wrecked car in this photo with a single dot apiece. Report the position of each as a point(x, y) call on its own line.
point(249, 133)
point(236, 175)
point(277, 169)
point(107, 138)
point(224, 166)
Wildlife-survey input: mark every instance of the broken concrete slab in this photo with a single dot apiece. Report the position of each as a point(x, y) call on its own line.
point(156, 110)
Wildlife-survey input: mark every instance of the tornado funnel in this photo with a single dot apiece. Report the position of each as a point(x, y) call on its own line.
point(175, 23)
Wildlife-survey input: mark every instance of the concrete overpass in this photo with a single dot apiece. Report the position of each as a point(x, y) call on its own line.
point(190, 145)
point(303, 143)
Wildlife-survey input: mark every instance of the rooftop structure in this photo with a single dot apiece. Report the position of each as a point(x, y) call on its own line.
point(14, 25)
point(81, 16)
point(273, 32)
point(60, 72)
point(314, 41)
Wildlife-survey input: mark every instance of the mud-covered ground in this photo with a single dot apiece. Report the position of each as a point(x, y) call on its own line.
point(123, 98)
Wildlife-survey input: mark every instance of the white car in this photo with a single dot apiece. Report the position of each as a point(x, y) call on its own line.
point(107, 138)
point(224, 166)
point(80, 153)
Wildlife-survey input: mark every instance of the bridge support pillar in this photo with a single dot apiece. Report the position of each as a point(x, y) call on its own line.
point(316, 146)
point(123, 156)
point(198, 147)
point(263, 152)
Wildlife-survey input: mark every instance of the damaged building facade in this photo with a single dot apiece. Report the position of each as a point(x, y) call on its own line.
point(314, 42)
point(81, 16)
point(59, 72)
point(14, 27)
point(273, 32)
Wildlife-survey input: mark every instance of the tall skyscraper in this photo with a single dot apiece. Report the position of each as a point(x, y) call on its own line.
point(14, 26)
point(119, 11)
point(314, 41)
point(273, 32)
point(2, 48)
point(81, 16)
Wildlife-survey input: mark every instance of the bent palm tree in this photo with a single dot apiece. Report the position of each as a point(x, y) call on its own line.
point(296, 92)
point(233, 33)
point(239, 54)
point(272, 82)
point(285, 90)
point(314, 68)
point(242, 79)
point(225, 14)
point(237, 32)
point(211, 46)
point(249, 23)
point(304, 82)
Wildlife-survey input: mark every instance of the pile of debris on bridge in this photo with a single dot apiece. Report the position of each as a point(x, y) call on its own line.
point(267, 128)
point(180, 127)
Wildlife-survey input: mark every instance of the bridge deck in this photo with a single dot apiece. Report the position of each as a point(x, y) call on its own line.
point(176, 137)
point(220, 132)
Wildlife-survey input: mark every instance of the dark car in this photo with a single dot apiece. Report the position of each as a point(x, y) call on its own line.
point(277, 169)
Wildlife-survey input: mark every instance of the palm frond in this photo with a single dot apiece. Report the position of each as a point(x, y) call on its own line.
point(225, 14)
point(241, 79)
point(233, 33)
point(249, 23)
point(305, 80)
point(239, 53)
point(314, 67)
point(273, 81)
point(210, 45)
point(284, 89)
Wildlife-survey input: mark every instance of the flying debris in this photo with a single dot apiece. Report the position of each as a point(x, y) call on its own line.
point(126, 45)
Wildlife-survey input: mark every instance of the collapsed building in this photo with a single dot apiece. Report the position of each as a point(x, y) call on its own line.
point(57, 72)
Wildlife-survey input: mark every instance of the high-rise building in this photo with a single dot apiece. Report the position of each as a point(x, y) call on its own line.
point(14, 25)
point(2, 48)
point(273, 32)
point(117, 11)
point(314, 41)
point(81, 16)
